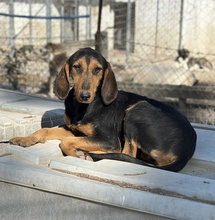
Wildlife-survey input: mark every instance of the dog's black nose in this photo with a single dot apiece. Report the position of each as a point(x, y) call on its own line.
point(85, 96)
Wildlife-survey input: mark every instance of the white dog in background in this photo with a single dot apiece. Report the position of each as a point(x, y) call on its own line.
point(192, 63)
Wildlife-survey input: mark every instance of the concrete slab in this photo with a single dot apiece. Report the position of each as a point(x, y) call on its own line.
point(26, 103)
point(22, 114)
point(131, 188)
point(109, 193)
point(207, 142)
point(40, 153)
point(16, 202)
point(141, 178)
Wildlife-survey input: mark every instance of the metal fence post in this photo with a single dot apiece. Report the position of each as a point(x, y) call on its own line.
point(128, 33)
point(48, 22)
point(88, 20)
point(62, 22)
point(12, 28)
point(98, 36)
point(156, 27)
point(76, 20)
point(181, 25)
point(30, 23)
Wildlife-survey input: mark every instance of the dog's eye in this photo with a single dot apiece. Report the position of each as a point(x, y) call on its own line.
point(77, 68)
point(97, 70)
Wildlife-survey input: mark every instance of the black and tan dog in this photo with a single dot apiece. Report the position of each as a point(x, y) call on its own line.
point(106, 123)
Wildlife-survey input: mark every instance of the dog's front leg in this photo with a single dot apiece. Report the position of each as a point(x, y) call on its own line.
point(41, 136)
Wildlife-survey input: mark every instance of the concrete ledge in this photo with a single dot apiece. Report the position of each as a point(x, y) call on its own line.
point(108, 192)
point(132, 188)
point(22, 114)
point(24, 203)
point(37, 154)
point(139, 177)
point(186, 195)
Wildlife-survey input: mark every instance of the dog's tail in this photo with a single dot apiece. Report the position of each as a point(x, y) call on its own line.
point(175, 167)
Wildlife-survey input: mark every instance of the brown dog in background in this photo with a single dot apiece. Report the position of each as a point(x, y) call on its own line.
point(106, 123)
point(57, 56)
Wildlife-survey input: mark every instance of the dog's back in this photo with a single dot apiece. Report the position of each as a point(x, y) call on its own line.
point(199, 63)
point(192, 63)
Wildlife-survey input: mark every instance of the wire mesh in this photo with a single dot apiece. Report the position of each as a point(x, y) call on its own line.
point(140, 38)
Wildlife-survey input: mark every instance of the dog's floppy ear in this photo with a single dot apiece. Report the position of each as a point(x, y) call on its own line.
point(109, 88)
point(62, 83)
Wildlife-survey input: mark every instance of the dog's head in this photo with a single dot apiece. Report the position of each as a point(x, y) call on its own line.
point(87, 71)
point(46, 49)
point(184, 53)
point(50, 48)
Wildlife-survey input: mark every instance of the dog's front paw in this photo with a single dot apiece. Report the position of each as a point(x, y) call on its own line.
point(23, 141)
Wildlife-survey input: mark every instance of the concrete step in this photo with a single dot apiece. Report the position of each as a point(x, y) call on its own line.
point(21, 114)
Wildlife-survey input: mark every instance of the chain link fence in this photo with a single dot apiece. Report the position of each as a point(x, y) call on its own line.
point(140, 38)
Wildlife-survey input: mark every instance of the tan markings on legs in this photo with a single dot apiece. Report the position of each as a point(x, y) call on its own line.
point(163, 158)
point(67, 120)
point(42, 135)
point(98, 152)
point(70, 145)
point(86, 129)
point(130, 148)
